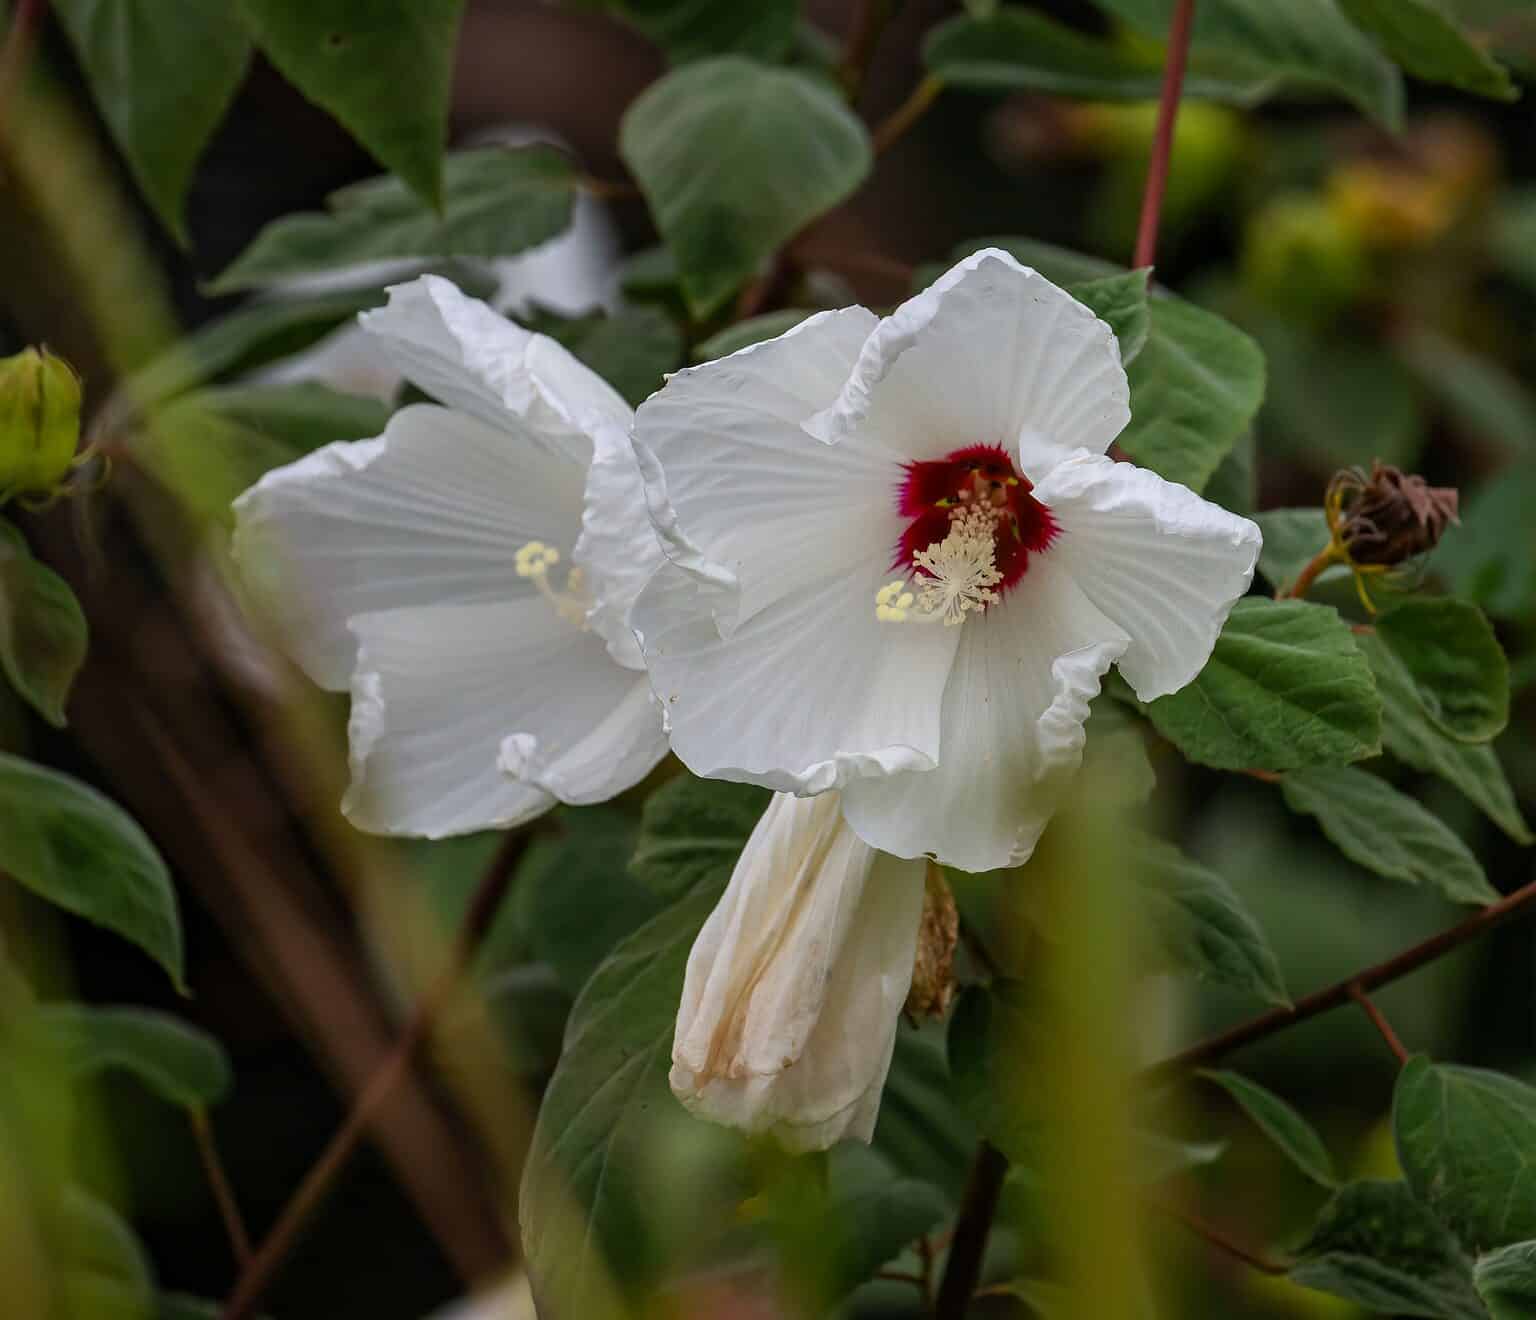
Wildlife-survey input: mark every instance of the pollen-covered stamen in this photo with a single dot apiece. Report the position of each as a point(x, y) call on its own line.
point(534, 560)
point(961, 569)
point(892, 602)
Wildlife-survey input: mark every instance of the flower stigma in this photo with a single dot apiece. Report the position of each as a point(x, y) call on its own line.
point(534, 560)
point(974, 525)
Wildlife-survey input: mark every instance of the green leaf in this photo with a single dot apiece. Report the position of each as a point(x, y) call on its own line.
point(1201, 926)
point(1296, 1138)
point(575, 897)
point(163, 73)
point(922, 1130)
point(176, 1060)
point(1116, 769)
point(870, 1218)
point(1408, 732)
point(497, 202)
point(1195, 388)
point(381, 67)
point(299, 417)
point(1449, 652)
point(1430, 46)
point(692, 831)
point(101, 1246)
point(1196, 383)
point(1480, 395)
point(1506, 1281)
point(1292, 538)
point(693, 29)
point(754, 330)
point(631, 349)
point(69, 845)
point(735, 159)
point(1020, 50)
point(43, 633)
point(584, 1192)
point(1285, 688)
point(989, 1034)
point(1466, 1139)
point(244, 340)
point(1376, 1245)
point(1309, 43)
point(1121, 300)
point(1386, 831)
point(1491, 557)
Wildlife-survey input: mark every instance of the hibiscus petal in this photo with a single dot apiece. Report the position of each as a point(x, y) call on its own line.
point(796, 981)
point(470, 717)
point(1164, 564)
point(431, 512)
point(740, 493)
point(806, 695)
point(1013, 716)
point(991, 353)
point(617, 540)
point(475, 360)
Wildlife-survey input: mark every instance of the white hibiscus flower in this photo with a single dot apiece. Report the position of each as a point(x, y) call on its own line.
point(795, 984)
point(899, 562)
point(468, 575)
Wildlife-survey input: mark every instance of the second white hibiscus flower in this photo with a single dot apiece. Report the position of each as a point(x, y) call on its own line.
point(899, 561)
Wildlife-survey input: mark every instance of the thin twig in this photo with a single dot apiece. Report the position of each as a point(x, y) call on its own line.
point(219, 1184)
point(907, 113)
point(869, 20)
point(25, 25)
point(1162, 142)
point(317, 1182)
point(902, 1276)
point(1218, 1238)
point(972, 1228)
point(1379, 1021)
point(1369, 978)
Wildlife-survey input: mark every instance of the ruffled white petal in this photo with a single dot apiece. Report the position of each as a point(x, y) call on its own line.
point(1164, 564)
point(475, 360)
point(807, 694)
point(470, 717)
point(431, 512)
point(795, 984)
point(740, 494)
point(1013, 716)
point(991, 353)
point(618, 546)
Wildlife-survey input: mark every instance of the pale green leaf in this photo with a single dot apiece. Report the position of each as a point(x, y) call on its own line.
point(1279, 1121)
point(735, 158)
point(69, 845)
point(1408, 732)
point(1424, 40)
point(1018, 49)
point(1449, 652)
point(497, 202)
point(692, 831)
point(43, 632)
point(1466, 1139)
point(176, 1060)
point(1292, 538)
point(1386, 831)
point(1121, 301)
point(1506, 1281)
point(1376, 1245)
point(382, 67)
point(1286, 687)
point(163, 72)
point(1307, 42)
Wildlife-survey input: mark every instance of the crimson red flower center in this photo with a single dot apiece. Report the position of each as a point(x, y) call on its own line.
point(936, 492)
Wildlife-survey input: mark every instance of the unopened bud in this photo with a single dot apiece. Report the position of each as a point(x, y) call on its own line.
point(933, 969)
point(1388, 516)
point(39, 422)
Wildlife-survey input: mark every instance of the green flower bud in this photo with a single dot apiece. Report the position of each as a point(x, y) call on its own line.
point(39, 422)
point(1300, 259)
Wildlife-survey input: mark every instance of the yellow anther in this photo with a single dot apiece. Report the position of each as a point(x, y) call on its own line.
point(535, 559)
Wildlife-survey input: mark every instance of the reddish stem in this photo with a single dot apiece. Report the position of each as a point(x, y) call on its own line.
point(218, 1182)
point(974, 1226)
point(1379, 1021)
point(1220, 1239)
point(1162, 142)
point(1324, 558)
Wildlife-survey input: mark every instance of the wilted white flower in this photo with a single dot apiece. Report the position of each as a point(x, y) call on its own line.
point(468, 575)
point(796, 982)
point(899, 562)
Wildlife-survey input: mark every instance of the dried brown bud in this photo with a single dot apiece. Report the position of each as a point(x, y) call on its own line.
point(933, 970)
point(1388, 516)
